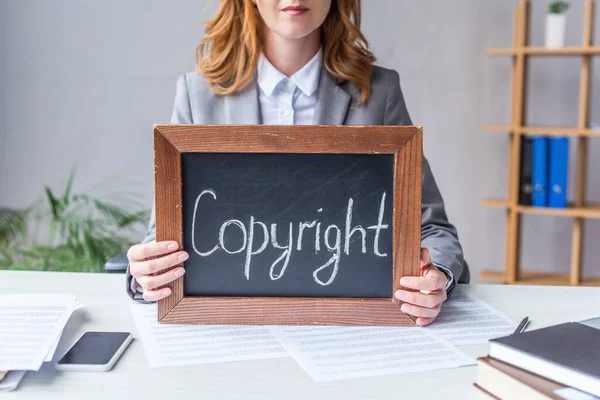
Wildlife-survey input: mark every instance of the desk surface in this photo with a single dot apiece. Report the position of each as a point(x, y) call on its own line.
point(107, 308)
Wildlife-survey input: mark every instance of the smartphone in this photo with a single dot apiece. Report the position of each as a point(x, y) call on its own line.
point(95, 351)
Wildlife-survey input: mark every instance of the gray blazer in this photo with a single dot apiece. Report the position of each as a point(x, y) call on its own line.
point(336, 104)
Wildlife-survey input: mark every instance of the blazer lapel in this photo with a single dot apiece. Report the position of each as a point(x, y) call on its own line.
point(332, 101)
point(242, 107)
point(331, 108)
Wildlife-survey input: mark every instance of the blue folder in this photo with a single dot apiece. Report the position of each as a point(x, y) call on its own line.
point(539, 173)
point(558, 165)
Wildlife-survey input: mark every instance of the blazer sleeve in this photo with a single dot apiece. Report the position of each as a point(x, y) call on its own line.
point(182, 114)
point(437, 233)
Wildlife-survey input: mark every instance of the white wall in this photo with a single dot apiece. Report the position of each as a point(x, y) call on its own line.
point(82, 83)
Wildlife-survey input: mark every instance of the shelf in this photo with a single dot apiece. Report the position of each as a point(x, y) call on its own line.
point(544, 51)
point(543, 130)
point(589, 211)
point(495, 203)
point(538, 278)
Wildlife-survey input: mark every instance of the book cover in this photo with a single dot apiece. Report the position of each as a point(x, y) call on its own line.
point(558, 165)
point(525, 178)
point(540, 171)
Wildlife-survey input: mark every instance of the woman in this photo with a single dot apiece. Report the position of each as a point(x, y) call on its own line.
point(299, 62)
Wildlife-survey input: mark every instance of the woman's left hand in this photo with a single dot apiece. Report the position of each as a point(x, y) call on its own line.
point(427, 302)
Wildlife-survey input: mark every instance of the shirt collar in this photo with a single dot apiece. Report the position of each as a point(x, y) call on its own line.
point(307, 78)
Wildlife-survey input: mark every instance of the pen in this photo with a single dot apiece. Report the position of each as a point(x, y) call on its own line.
point(521, 326)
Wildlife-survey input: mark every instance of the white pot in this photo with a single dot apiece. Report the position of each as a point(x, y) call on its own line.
point(555, 30)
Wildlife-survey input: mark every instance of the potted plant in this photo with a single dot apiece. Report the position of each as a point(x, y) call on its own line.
point(556, 22)
point(68, 232)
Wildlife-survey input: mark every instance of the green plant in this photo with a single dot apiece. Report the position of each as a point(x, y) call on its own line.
point(558, 7)
point(82, 231)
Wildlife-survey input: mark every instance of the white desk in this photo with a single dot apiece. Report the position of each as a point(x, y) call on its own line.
point(107, 308)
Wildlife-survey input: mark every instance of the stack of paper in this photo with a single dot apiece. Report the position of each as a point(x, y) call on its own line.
point(332, 353)
point(467, 320)
point(329, 353)
point(30, 328)
point(10, 380)
point(171, 345)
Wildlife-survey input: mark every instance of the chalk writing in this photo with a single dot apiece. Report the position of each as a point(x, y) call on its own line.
point(256, 236)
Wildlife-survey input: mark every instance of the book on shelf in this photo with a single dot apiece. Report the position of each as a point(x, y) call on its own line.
point(544, 171)
point(525, 182)
point(539, 171)
point(558, 166)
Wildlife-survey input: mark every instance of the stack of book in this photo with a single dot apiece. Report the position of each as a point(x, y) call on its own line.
point(544, 170)
point(558, 362)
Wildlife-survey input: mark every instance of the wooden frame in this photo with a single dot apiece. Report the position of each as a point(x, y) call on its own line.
point(579, 210)
point(170, 141)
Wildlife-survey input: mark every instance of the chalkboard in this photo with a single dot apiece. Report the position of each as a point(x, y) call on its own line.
point(239, 211)
point(232, 196)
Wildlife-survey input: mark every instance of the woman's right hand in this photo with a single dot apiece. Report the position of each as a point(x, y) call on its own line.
point(149, 258)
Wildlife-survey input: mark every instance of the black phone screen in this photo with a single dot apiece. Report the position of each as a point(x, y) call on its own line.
point(96, 348)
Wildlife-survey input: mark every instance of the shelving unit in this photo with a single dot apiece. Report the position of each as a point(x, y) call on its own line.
point(579, 210)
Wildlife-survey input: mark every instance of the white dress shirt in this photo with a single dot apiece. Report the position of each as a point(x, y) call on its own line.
point(288, 101)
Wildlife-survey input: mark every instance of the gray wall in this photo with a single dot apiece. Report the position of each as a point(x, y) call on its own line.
point(84, 81)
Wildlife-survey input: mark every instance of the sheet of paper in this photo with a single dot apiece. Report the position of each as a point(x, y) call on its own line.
point(465, 319)
point(573, 394)
point(30, 325)
point(50, 355)
point(333, 353)
point(171, 345)
point(11, 380)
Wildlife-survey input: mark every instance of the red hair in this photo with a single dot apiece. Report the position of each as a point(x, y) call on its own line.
point(228, 54)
